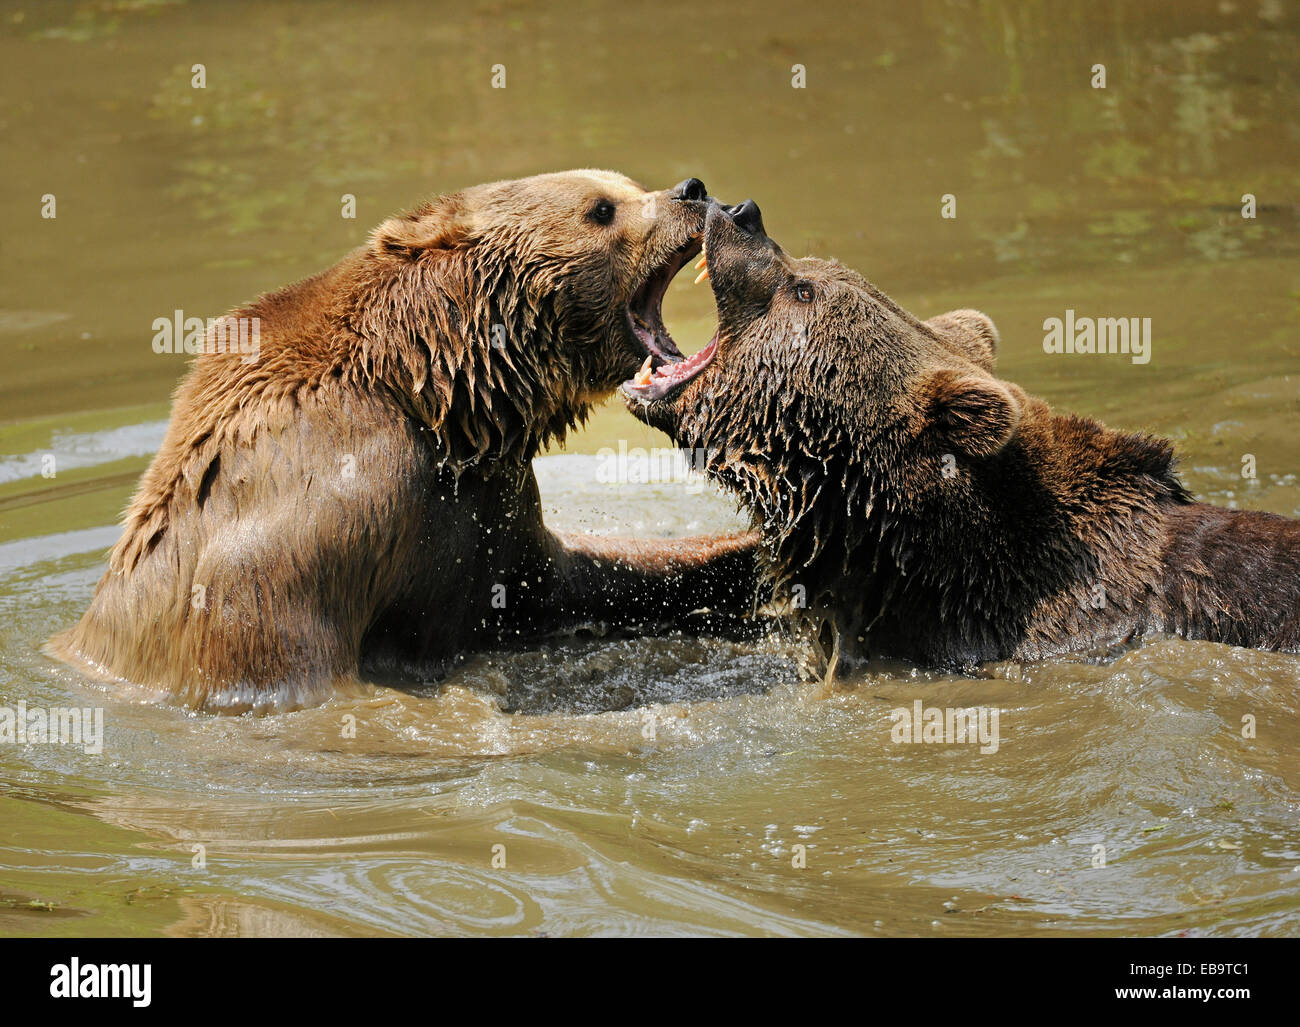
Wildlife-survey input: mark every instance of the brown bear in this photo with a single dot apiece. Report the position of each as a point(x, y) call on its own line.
point(358, 503)
point(931, 512)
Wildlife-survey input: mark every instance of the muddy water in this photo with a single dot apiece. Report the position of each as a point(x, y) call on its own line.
point(659, 786)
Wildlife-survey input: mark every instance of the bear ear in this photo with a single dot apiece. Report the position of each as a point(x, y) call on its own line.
point(445, 224)
point(970, 333)
point(976, 414)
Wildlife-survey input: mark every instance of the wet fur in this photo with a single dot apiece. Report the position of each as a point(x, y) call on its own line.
point(835, 422)
point(348, 503)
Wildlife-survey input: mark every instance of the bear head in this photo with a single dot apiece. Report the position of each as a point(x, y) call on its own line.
point(821, 402)
point(534, 298)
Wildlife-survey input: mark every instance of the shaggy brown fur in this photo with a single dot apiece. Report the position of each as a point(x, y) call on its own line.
point(935, 513)
point(359, 502)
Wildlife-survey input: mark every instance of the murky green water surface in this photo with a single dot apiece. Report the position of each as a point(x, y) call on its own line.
point(657, 786)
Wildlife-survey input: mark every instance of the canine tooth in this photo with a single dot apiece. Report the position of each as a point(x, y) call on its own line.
point(701, 276)
point(643, 375)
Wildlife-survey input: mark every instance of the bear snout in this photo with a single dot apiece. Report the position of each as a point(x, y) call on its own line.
point(747, 217)
point(690, 189)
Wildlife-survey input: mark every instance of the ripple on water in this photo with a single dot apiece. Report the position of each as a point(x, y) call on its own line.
point(676, 785)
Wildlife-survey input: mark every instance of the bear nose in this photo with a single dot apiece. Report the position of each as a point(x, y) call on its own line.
point(691, 189)
point(748, 217)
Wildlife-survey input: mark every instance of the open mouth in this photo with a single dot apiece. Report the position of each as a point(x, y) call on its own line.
point(645, 308)
point(665, 370)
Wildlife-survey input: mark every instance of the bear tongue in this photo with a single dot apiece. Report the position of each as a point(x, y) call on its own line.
point(685, 368)
point(666, 374)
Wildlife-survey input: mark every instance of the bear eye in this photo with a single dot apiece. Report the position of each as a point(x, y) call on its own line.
point(602, 212)
point(803, 292)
